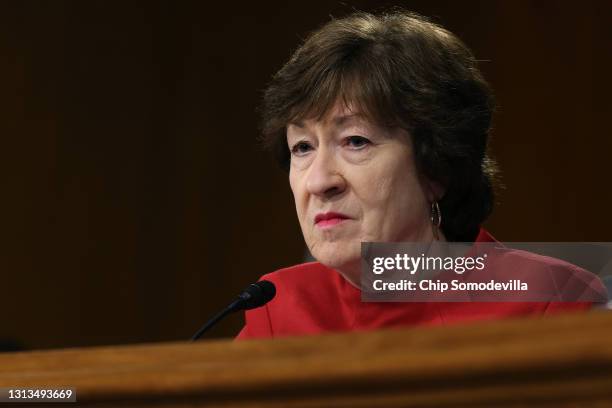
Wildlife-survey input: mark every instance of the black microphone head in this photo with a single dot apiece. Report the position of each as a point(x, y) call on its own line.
point(257, 294)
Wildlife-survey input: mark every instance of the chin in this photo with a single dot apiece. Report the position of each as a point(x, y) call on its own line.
point(338, 255)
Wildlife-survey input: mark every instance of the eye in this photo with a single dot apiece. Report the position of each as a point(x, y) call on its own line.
point(357, 142)
point(301, 148)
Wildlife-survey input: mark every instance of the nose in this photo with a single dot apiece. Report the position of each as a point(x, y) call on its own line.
point(324, 175)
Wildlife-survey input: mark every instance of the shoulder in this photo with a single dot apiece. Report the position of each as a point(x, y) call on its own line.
point(305, 272)
point(570, 281)
point(520, 258)
point(304, 280)
point(520, 262)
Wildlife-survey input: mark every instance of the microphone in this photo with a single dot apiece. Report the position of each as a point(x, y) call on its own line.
point(255, 295)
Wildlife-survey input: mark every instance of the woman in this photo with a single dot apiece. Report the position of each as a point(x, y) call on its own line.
point(382, 123)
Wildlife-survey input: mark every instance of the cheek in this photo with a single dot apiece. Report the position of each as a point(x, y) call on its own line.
point(298, 196)
point(294, 184)
point(384, 185)
point(392, 195)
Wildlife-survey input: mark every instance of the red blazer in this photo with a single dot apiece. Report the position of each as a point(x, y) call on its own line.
point(312, 298)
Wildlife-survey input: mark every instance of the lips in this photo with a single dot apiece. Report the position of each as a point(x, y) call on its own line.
point(329, 219)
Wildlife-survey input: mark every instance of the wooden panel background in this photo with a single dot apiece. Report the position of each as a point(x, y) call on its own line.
point(136, 201)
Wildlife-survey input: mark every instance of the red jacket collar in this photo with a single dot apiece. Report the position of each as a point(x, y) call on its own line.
point(485, 236)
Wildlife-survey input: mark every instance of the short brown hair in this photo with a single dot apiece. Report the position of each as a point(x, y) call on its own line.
point(399, 69)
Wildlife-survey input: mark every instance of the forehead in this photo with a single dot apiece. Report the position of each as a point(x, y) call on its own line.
point(339, 115)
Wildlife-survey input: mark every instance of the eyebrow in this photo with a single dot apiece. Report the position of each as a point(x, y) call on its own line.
point(338, 120)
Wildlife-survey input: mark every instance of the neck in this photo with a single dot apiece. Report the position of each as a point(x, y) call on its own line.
point(352, 272)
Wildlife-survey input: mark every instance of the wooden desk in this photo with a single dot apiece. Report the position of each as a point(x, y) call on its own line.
point(554, 361)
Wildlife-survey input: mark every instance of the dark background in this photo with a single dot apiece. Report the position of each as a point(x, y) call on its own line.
point(136, 201)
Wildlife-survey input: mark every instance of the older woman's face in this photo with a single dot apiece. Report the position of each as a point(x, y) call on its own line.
point(353, 181)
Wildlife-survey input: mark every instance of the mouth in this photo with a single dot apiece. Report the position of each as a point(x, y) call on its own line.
point(329, 219)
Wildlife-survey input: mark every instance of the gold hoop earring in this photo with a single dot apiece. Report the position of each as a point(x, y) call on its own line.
point(436, 218)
